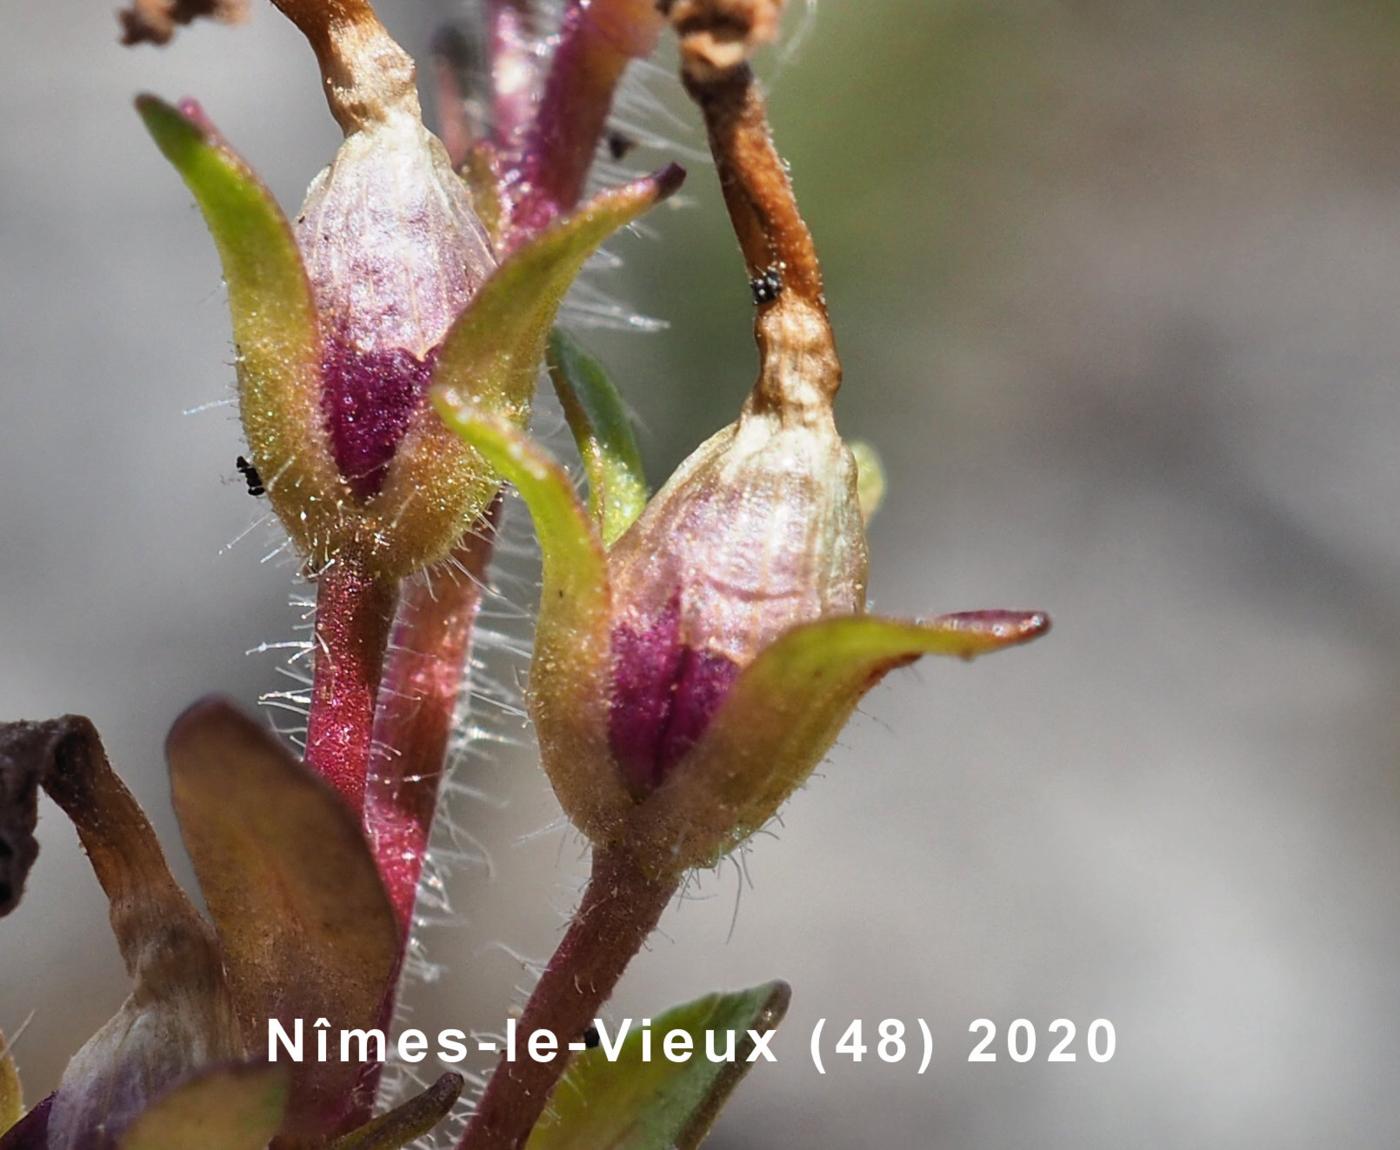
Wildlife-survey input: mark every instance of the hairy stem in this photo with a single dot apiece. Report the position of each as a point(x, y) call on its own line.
point(511, 33)
point(423, 677)
point(596, 43)
point(621, 907)
point(354, 612)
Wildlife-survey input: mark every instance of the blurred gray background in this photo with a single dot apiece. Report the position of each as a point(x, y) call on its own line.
point(1115, 283)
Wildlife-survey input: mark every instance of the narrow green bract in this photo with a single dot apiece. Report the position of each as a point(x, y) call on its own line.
point(617, 485)
point(11, 1096)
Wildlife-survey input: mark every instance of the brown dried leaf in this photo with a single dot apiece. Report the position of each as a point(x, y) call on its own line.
point(306, 927)
point(20, 771)
point(155, 21)
point(178, 1016)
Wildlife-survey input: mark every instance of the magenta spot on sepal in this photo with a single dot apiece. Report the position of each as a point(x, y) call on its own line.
point(664, 694)
point(369, 398)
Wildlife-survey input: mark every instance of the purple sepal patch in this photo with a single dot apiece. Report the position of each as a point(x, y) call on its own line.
point(664, 694)
point(369, 399)
point(32, 1131)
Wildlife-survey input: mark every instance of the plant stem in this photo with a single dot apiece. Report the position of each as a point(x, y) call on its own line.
point(596, 43)
point(354, 612)
point(621, 907)
point(511, 35)
point(418, 695)
point(757, 191)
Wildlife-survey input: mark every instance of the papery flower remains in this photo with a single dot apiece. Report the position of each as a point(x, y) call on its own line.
point(693, 666)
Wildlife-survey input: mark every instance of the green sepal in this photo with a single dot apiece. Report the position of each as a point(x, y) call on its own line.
point(491, 357)
point(617, 485)
point(481, 171)
point(275, 326)
point(569, 675)
point(11, 1094)
point(782, 715)
point(656, 1104)
point(870, 479)
point(408, 1122)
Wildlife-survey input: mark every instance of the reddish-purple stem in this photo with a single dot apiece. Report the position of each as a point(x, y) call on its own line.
point(423, 676)
point(353, 614)
point(596, 43)
point(511, 37)
point(428, 658)
point(621, 907)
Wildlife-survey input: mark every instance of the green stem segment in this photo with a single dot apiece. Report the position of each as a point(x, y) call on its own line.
point(621, 907)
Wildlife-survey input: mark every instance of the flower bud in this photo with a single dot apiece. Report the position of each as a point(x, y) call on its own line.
point(394, 252)
point(758, 531)
point(686, 681)
point(386, 284)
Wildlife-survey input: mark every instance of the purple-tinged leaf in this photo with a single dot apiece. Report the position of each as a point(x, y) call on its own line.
point(32, 1131)
point(227, 1108)
point(179, 1015)
point(306, 928)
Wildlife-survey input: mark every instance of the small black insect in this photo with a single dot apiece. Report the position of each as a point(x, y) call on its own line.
point(590, 1037)
point(619, 144)
point(766, 287)
point(251, 476)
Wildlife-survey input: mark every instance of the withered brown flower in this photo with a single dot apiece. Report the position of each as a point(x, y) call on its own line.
point(299, 928)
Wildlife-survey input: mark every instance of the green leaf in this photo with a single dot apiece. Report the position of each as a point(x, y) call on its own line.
point(870, 479)
point(784, 712)
point(306, 929)
point(11, 1095)
point(569, 675)
point(491, 358)
point(617, 485)
point(402, 1125)
point(237, 1108)
point(274, 319)
point(631, 1104)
